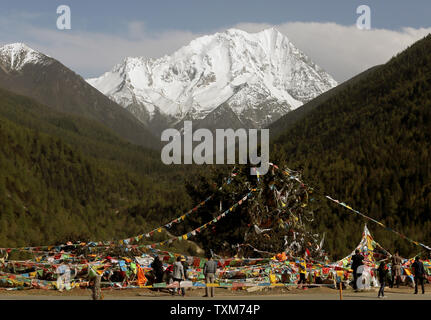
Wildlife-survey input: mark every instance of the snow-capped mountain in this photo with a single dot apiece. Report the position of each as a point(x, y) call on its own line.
point(28, 72)
point(15, 56)
point(259, 76)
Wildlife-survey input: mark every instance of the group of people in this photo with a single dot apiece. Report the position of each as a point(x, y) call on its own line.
point(383, 272)
point(178, 272)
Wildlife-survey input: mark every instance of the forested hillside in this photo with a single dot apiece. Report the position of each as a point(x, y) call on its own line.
point(67, 178)
point(90, 136)
point(288, 120)
point(370, 146)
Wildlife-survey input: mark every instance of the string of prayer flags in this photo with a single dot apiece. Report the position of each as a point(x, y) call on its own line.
point(378, 222)
point(289, 173)
point(204, 226)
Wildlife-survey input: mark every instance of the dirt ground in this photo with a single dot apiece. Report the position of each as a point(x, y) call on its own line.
point(322, 293)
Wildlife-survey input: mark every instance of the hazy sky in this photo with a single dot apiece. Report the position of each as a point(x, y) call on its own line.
point(105, 32)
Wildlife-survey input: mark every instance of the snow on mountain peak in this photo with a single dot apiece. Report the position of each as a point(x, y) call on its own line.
point(260, 76)
point(17, 55)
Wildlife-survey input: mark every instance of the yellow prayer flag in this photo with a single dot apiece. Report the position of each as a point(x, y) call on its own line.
point(212, 285)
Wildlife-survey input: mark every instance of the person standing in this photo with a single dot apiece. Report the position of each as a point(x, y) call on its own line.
point(357, 260)
point(419, 273)
point(302, 271)
point(168, 277)
point(185, 268)
point(210, 270)
point(95, 286)
point(396, 269)
point(383, 273)
point(178, 274)
point(157, 267)
point(63, 277)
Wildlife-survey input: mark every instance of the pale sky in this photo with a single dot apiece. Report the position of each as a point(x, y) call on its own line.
point(105, 32)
